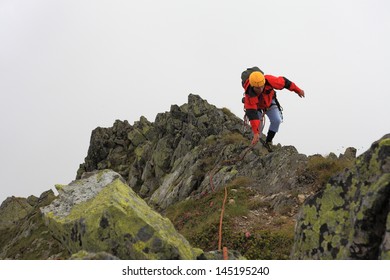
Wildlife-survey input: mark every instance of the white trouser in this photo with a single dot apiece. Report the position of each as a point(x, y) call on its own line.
point(275, 118)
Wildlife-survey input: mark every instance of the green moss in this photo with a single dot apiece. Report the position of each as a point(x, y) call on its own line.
point(306, 245)
point(101, 174)
point(374, 166)
point(352, 192)
point(339, 206)
point(384, 142)
point(331, 198)
point(94, 224)
point(58, 187)
point(336, 239)
point(139, 151)
point(234, 171)
point(381, 183)
point(331, 224)
point(80, 255)
point(310, 214)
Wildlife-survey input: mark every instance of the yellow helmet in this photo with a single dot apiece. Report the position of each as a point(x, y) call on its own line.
point(256, 79)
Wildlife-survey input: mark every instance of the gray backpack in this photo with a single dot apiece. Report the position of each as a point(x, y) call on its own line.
point(247, 72)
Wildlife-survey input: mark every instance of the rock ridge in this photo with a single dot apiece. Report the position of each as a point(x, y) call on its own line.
point(171, 159)
point(135, 174)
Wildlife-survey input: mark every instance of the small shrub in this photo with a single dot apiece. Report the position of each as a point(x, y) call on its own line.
point(263, 245)
point(324, 168)
point(233, 138)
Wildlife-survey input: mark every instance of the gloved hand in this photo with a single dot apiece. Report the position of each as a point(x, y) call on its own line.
point(301, 93)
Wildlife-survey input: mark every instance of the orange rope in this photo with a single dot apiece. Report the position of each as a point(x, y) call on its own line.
point(226, 162)
point(221, 219)
point(225, 253)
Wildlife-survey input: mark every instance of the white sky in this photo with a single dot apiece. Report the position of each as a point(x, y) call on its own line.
point(69, 66)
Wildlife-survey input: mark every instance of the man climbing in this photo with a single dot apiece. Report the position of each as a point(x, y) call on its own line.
point(260, 97)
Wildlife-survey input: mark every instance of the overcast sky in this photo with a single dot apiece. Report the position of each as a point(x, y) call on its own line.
point(69, 66)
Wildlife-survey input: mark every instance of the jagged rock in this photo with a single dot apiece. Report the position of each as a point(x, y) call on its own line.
point(32, 200)
point(101, 213)
point(29, 238)
point(109, 149)
point(179, 184)
point(349, 154)
point(277, 171)
point(171, 159)
point(349, 218)
point(136, 137)
point(45, 198)
point(12, 210)
point(276, 175)
point(146, 154)
point(333, 156)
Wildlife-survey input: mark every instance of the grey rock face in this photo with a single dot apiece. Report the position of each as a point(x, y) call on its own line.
point(101, 213)
point(172, 158)
point(349, 218)
point(73, 194)
point(12, 210)
point(27, 237)
point(159, 160)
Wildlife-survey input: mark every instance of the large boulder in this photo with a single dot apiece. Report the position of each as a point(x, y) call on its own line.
point(100, 212)
point(350, 217)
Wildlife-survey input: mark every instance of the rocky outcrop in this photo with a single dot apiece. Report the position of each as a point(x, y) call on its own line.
point(147, 154)
point(169, 160)
point(164, 162)
point(12, 210)
point(100, 213)
point(350, 217)
point(189, 155)
point(27, 237)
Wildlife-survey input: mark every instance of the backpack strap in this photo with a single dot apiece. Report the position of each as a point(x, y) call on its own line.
point(246, 84)
point(279, 106)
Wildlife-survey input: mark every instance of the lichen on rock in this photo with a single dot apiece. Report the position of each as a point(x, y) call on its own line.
point(101, 213)
point(349, 219)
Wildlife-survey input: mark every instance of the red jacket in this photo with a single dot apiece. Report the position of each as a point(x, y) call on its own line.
point(264, 100)
point(254, 101)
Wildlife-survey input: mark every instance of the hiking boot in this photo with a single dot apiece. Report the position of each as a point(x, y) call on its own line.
point(267, 145)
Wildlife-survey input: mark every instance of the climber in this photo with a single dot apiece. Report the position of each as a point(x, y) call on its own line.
point(260, 98)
